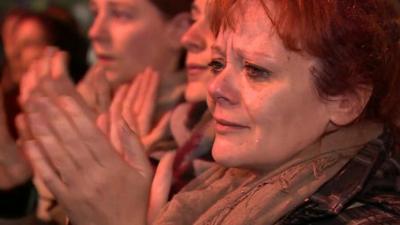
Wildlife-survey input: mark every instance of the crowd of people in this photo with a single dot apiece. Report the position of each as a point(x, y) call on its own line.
point(202, 112)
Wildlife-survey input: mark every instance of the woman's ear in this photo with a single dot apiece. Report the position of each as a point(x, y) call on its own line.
point(344, 109)
point(176, 27)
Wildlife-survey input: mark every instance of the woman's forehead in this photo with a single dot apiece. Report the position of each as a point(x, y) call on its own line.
point(118, 2)
point(253, 28)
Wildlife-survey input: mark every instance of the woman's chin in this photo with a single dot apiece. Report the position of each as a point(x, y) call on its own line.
point(226, 154)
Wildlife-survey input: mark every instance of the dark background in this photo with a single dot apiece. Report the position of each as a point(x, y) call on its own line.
point(77, 7)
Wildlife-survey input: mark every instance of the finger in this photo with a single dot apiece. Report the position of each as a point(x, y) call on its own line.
point(51, 147)
point(62, 131)
point(91, 75)
point(49, 87)
point(142, 90)
point(148, 102)
point(59, 82)
point(27, 84)
point(43, 169)
point(128, 107)
point(158, 132)
point(115, 115)
point(133, 150)
point(44, 63)
point(153, 85)
point(23, 130)
point(84, 87)
point(103, 123)
point(59, 63)
point(97, 144)
point(103, 92)
point(161, 185)
point(128, 104)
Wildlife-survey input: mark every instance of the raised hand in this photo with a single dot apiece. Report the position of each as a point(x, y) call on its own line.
point(137, 103)
point(49, 76)
point(162, 181)
point(81, 167)
point(95, 89)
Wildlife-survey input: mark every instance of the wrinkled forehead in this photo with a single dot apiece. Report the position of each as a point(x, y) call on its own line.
point(117, 2)
point(250, 25)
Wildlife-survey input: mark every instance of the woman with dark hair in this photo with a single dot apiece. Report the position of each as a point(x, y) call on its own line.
point(305, 115)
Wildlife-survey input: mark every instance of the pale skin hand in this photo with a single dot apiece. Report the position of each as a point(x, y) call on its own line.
point(136, 102)
point(162, 181)
point(92, 207)
point(82, 169)
point(95, 89)
point(14, 169)
point(49, 76)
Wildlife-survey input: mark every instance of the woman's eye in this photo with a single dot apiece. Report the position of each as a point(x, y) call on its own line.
point(256, 72)
point(121, 14)
point(216, 66)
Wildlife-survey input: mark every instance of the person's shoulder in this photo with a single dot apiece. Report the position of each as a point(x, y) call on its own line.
point(367, 214)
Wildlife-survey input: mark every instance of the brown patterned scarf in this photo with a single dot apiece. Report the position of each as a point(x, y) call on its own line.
point(238, 196)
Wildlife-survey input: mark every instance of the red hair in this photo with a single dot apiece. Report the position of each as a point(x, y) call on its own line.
point(355, 41)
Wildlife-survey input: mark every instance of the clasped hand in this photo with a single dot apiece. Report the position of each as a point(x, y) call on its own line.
point(94, 180)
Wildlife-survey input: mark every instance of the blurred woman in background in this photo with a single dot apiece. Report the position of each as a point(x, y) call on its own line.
point(25, 35)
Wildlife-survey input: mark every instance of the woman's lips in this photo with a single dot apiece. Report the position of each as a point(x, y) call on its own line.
point(194, 69)
point(223, 126)
point(103, 58)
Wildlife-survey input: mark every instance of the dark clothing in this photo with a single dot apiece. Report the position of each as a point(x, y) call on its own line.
point(18, 202)
point(12, 109)
point(366, 191)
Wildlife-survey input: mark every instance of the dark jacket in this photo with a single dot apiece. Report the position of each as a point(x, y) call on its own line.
point(365, 192)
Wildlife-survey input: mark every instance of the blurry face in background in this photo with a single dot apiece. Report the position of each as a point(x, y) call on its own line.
point(263, 99)
point(30, 41)
point(8, 37)
point(198, 40)
point(127, 36)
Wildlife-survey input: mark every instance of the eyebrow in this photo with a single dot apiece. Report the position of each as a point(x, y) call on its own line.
point(218, 49)
point(120, 3)
point(244, 52)
point(241, 52)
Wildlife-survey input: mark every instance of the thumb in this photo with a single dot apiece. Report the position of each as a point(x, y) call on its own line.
point(158, 132)
point(59, 67)
point(161, 186)
point(103, 92)
point(27, 84)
